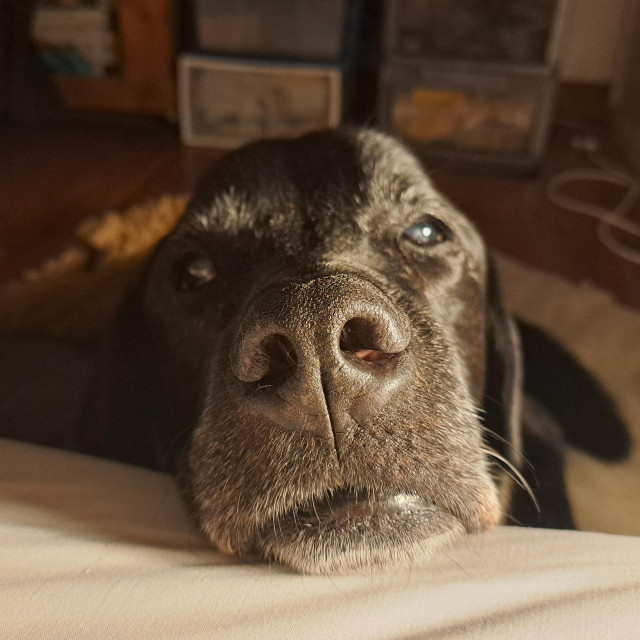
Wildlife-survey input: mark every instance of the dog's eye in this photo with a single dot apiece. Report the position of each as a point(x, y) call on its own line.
point(427, 233)
point(194, 271)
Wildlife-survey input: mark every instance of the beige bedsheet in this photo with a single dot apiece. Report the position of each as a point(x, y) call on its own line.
point(94, 549)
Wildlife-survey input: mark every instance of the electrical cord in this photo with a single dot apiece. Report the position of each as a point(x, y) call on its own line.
point(608, 219)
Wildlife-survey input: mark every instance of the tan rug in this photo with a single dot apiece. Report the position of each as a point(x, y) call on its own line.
point(76, 294)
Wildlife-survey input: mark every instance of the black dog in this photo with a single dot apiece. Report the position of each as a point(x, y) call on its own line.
point(319, 351)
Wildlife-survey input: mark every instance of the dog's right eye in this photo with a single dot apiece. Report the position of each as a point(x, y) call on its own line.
point(427, 233)
point(193, 271)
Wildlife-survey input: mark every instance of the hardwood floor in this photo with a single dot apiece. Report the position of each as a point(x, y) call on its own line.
point(54, 175)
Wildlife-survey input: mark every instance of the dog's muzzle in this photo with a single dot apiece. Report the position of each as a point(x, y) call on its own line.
point(342, 459)
point(322, 355)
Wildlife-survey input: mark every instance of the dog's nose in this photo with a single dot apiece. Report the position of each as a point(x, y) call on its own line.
point(323, 355)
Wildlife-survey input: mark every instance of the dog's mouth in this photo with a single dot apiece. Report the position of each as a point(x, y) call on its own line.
point(352, 507)
point(351, 528)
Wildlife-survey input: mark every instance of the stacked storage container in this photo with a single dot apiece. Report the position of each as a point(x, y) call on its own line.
point(471, 80)
point(265, 68)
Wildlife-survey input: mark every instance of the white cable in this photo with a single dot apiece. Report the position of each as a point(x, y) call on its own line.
point(603, 171)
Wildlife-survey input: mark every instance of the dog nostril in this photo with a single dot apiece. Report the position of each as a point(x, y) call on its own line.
point(279, 358)
point(359, 337)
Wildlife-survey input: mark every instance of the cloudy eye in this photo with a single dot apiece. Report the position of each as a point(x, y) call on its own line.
point(194, 271)
point(428, 232)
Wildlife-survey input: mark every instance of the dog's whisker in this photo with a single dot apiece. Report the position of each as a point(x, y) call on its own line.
point(517, 452)
point(513, 520)
point(515, 474)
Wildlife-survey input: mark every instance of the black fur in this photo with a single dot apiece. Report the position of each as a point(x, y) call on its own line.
point(588, 417)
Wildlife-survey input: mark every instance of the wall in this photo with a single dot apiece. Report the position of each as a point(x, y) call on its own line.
point(625, 97)
point(590, 39)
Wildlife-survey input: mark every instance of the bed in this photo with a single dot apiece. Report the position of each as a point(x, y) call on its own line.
point(96, 549)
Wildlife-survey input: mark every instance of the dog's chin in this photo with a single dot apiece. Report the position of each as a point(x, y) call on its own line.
point(354, 530)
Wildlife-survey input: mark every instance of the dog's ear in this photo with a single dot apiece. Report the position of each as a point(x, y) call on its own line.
point(586, 415)
point(502, 401)
point(122, 412)
point(508, 433)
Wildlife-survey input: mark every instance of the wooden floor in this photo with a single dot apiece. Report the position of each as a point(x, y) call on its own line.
point(54, 175)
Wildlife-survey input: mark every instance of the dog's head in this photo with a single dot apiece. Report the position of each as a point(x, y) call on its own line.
point(318, 334)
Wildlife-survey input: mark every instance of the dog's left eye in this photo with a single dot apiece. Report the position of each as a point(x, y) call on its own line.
point(194, 271)
point(427, 233)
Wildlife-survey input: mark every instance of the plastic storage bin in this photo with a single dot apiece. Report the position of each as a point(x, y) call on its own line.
point(479, 113)
point(226, 102)
point(523, 32)
point(295, 29)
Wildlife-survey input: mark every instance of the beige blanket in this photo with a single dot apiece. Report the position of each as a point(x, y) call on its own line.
point(94, 549)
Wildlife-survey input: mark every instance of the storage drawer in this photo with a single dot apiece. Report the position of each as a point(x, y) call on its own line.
point(523, 32)
point(294, 29)
point(226, 103)
point(476, 113)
